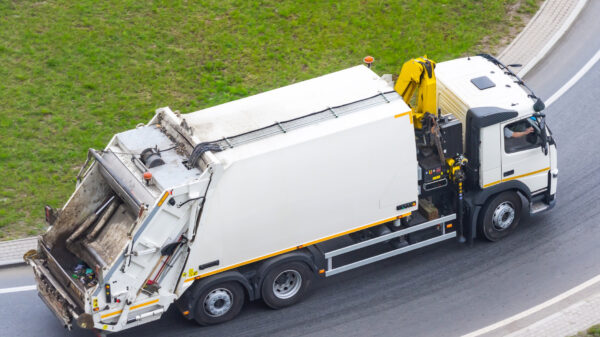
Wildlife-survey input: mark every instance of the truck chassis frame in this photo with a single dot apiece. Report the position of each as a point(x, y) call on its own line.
point(330, 271)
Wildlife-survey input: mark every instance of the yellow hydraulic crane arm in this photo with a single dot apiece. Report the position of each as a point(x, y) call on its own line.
point(418, 74)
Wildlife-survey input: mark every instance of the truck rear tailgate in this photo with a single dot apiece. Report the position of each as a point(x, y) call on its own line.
point(62, 295)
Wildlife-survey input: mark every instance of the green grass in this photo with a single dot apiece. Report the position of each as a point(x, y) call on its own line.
point(73, 73)
point(593, 331)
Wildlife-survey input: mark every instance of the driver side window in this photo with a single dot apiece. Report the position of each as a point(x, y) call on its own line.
point(521, 135)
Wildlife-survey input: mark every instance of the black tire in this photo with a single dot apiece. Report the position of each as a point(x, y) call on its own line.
point(219, 303)
point(285, 284)
point(500, 216)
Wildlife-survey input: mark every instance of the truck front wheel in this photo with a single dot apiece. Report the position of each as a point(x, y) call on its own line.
point(286, 284)
point(501, 216)
point(219, 303)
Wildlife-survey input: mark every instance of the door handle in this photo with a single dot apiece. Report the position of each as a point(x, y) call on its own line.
point(508, 173)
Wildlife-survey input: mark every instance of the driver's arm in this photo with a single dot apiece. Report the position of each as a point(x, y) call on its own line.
point(517, 134)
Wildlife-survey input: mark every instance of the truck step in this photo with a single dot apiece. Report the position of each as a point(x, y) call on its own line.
point(538, 207)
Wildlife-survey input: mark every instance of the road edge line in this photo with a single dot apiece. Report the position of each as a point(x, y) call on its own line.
point(17, 289)
point(535, 309)
point(573, 80)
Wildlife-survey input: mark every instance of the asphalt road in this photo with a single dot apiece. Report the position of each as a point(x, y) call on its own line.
point(445, 290)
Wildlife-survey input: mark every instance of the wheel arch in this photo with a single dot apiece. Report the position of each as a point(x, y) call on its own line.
point(190, 296)
point(477, 200)
point(480, 197)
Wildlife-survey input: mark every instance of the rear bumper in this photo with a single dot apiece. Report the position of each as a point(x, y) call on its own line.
point(54, 295)
point(58, 299)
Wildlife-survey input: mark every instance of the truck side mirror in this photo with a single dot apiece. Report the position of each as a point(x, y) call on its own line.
point(539, 105)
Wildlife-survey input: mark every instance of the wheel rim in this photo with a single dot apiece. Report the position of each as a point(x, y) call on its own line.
point(218, 302)
point(287, 284)
point(504, 215)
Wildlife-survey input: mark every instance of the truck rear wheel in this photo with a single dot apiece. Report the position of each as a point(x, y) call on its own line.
point(219, 303)
point(501, 216)
point(286, 284)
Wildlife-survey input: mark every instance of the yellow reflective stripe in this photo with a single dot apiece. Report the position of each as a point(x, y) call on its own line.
point(240, 264)
point(404, 114)
point(297, 247)
point(131, 308)
point(143, 304)
point(490, 184)
point(516, 177)
point(111, 314)
point(164, 197)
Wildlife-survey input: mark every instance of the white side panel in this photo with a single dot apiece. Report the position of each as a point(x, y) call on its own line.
point(307, 191)
point(489, 155)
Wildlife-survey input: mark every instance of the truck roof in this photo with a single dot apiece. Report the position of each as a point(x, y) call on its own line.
point(289, 102)
point(295, 114)
point(477, 82)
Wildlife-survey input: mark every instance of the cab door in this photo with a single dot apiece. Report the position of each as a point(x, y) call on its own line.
point(523, 158)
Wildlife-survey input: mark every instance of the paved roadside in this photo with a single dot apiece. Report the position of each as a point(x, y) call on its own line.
point(562, 316)
point(568, 321)
point(11, 252)
point(579, 308)
point(542, 32)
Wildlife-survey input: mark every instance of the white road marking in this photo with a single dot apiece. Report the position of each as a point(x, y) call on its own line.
point(17, 289)
point(535, 309)
point(580, 287)
point(574, 79)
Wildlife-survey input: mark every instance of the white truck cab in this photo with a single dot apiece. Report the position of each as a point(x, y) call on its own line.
point(507, 141)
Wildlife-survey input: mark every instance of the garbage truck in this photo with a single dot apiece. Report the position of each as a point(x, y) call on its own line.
point(255, 198)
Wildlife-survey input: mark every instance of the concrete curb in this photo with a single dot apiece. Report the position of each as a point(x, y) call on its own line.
point(557, 35)
point(567, 322)
point(542, 32)
point(505, 55)
point(573, 310)
point(11, 252)
point(563, 315)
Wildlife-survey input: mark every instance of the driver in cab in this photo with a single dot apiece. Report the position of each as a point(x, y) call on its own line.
point(508, 133)
point(516, 135)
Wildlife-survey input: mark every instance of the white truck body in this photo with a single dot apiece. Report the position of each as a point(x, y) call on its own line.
point(262, 198)
point(226, 191)
point(315, 182)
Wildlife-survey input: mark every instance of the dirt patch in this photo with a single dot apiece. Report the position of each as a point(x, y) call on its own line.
point(518, 15)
